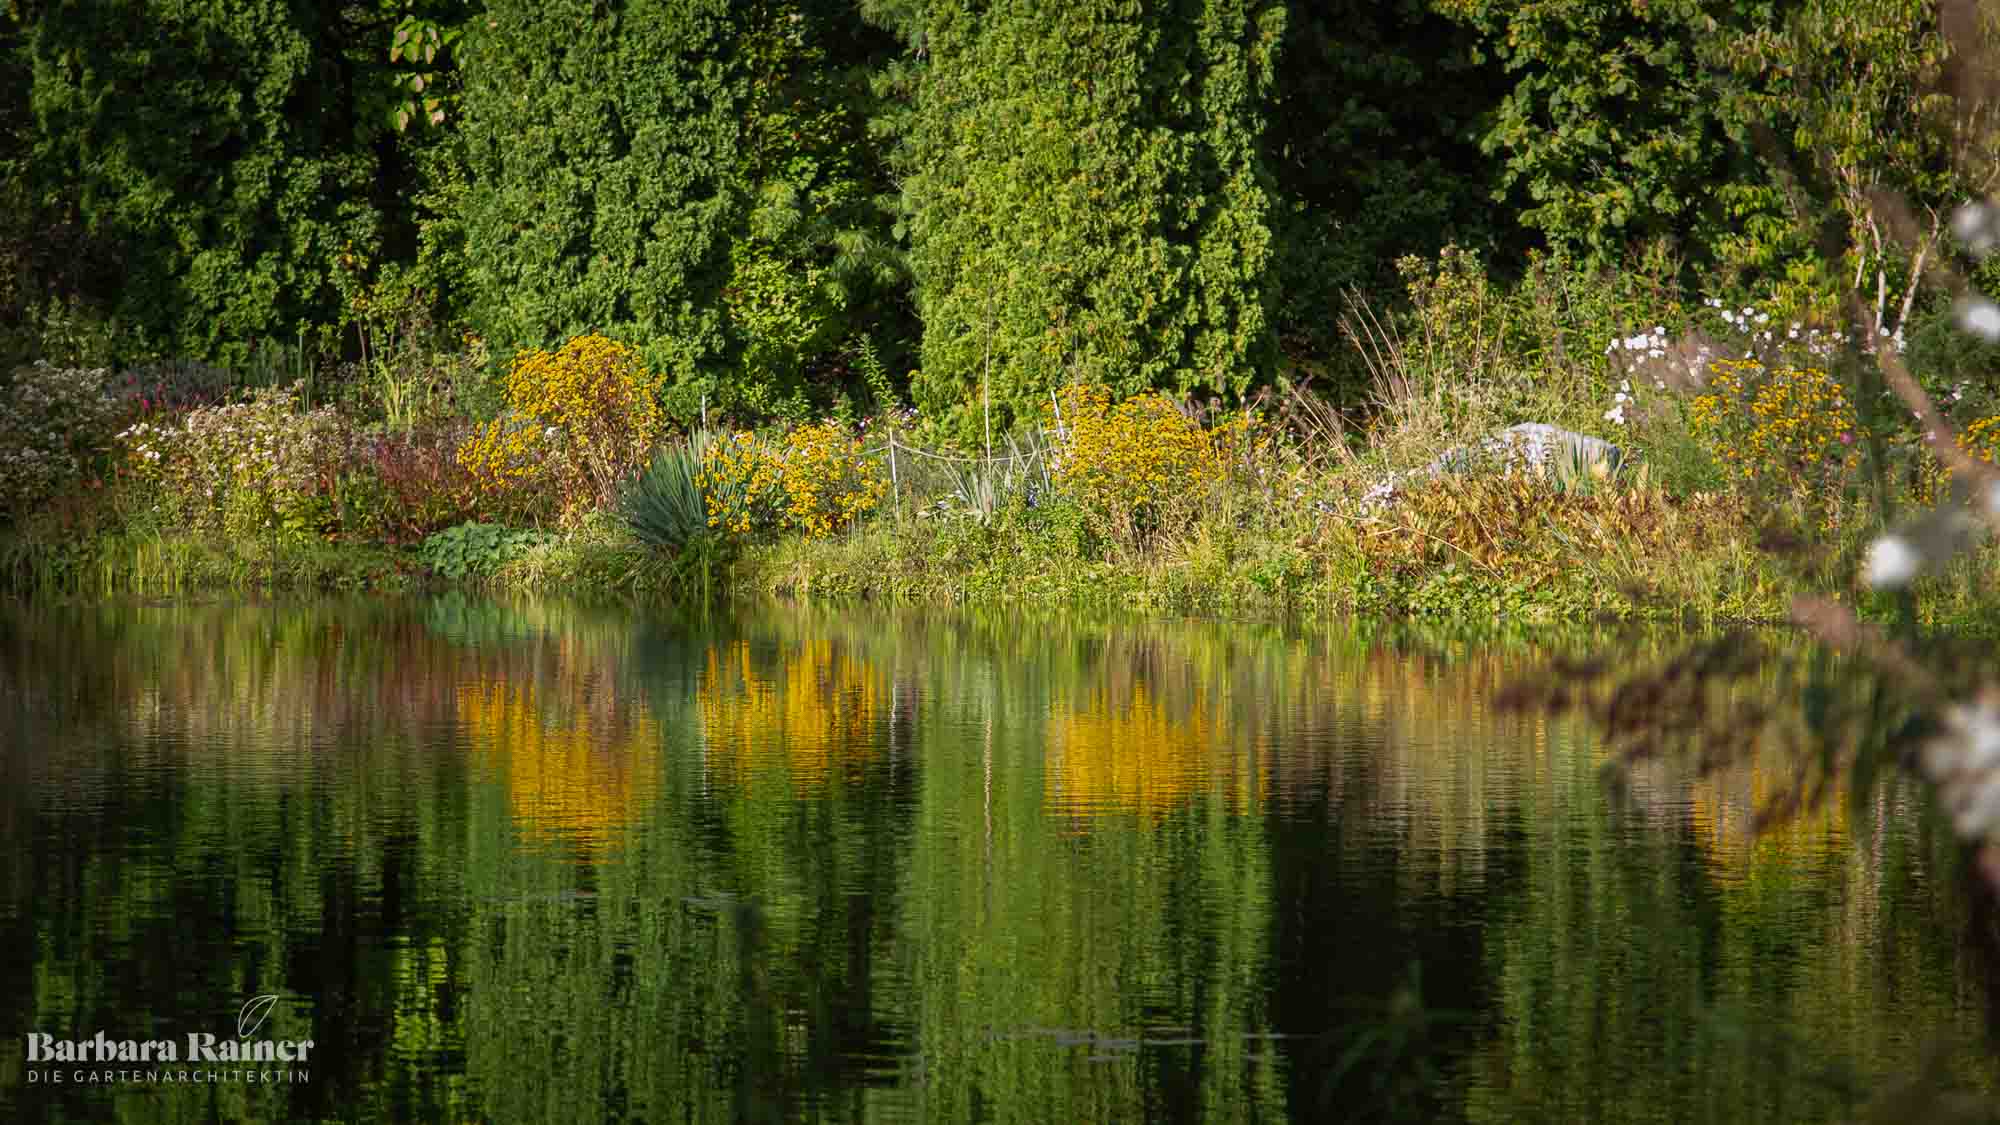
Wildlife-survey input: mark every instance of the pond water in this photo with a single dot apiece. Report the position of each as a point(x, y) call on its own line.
point(519, 862)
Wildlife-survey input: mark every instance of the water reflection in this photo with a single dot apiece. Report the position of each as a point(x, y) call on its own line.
point(577, 771)
point(1724, 811)
point(803, 711)
point(525, 862)
point(1124, 751)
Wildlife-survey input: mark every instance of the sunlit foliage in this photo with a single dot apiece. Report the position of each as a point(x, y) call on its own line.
point(583, 419)
point(815, 712)
point(1791, 429)
point(814, 480)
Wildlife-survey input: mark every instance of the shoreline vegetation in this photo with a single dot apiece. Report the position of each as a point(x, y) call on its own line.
point(1743, 481)
point(1016, 562)
point(892, 302)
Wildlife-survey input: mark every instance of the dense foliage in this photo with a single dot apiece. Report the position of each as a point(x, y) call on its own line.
point(1372, 141)
point(603, 148)
point(791, 207)
point(189, 171)
point(373, 270)
point(1087, 198)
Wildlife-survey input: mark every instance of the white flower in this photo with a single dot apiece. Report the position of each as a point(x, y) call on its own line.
point(1977, 815)
point(1892, 562)
point(1981, 317)
point(1976, 727)
point(1964, 762)
point(1974, 225)
point(1616, 415)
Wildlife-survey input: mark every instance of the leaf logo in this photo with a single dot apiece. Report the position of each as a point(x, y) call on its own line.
point(253, 1015)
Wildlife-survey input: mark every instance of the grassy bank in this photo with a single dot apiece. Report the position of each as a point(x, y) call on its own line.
point(1563, 559)
point(1219, 567)
point(601, 559)
point(1542, 557)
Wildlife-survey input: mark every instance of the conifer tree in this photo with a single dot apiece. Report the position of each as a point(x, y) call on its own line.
point(602, 144)
point(1086, 199)
point(191, 171)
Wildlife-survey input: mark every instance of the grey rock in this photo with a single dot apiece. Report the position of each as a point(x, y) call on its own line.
point(1533, 445)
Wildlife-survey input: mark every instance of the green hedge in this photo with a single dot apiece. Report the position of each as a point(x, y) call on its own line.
point(194, 169)
point(1087, 197)
point(603, 143)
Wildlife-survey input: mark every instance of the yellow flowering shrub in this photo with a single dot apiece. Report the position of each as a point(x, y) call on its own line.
point(741, 482)
point(827, 483)
point(1980, 440)
point(1140, 464)
point(1790, 428)
point(582, 419)
point(815, 480)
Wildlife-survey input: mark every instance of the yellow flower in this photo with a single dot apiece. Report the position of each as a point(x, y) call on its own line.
point(585, 417)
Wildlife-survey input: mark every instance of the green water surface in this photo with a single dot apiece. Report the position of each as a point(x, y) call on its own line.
point(524, 862)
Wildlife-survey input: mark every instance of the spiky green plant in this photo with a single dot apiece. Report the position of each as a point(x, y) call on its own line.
point(982, 486)
point(663, 505)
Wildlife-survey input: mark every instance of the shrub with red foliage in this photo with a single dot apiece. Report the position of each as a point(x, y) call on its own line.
point(400, 488)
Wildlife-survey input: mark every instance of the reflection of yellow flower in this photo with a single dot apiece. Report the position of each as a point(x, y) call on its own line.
point(817, 712)
point(1723, 814)
point(579, 782)
point(1135, 756)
